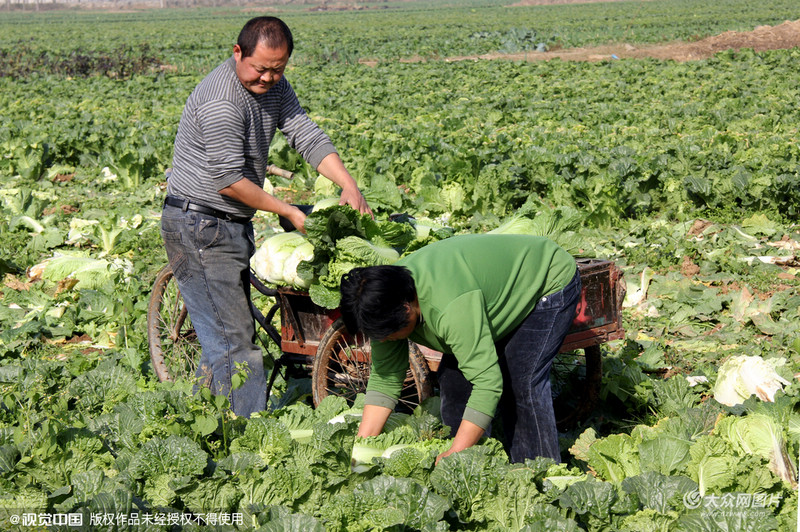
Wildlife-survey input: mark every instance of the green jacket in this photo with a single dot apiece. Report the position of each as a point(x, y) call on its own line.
point(473, 290)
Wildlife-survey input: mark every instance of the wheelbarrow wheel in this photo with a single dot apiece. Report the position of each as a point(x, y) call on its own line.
point(342, 364)
point(575, 381)
point(174, 347)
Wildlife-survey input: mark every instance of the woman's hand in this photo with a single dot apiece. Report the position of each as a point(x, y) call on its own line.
point(468, 435)
point(448, 452)
point(372, 420)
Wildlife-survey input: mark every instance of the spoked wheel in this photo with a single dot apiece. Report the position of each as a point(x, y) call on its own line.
point(174, 347)
point(342, 365)
point(575, 380)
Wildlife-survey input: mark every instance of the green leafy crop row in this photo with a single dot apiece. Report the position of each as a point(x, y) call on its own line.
point(387, 30)
point(686, 175)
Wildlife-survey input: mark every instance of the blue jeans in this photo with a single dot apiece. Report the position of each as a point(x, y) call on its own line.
point(525, 355)
point(210, 260)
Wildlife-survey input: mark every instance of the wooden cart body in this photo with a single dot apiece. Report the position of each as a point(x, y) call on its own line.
point(303, 322)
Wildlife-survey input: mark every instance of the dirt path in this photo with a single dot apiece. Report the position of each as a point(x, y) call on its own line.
point(786, 35)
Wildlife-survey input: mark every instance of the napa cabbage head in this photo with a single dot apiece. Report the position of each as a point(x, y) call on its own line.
point(427, 228)
point(89, 272)
point(559, 225)
point(742, 376)
point(760, 435)
point(277, 258)
point(407, 442)
point(325, 203)
point(365, 449)
point(303, 252)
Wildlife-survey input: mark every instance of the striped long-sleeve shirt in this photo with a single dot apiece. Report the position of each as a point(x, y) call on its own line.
point(224, 136)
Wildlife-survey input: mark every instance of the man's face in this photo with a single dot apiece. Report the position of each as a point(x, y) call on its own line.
point(262, 70)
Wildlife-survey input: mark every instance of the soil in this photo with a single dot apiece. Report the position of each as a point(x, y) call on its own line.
point(781, 36)
point(698, 227)
point(689, 268)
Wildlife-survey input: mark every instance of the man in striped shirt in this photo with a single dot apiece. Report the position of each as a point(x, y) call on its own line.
point(219, 167)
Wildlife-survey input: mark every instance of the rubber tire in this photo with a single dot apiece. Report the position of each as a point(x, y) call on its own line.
point(335, 374)
point(174, 347)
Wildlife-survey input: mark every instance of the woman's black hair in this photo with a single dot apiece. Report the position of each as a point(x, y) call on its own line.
point(375, 300)
point(271, 31)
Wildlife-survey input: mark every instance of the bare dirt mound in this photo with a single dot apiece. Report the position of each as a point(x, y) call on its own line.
point(782, 36)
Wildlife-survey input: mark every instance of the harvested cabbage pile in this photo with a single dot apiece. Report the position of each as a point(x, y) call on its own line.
point(344, 239)
point(559, 225)
point(338, 240)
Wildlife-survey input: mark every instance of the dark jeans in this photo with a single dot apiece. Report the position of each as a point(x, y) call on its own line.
point(525, 355)
point(210, 259)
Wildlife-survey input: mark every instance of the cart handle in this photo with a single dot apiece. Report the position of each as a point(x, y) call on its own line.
point(280, 172)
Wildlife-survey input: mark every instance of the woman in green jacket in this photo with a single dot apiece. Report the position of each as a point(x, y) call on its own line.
point(497, 306)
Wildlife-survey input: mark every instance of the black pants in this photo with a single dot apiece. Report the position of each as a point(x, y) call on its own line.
point(525, 355)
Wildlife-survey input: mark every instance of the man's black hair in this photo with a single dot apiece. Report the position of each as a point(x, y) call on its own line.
point(375, 300)
point(271, 31)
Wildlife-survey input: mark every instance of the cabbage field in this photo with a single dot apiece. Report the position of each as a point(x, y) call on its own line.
point(686, 174)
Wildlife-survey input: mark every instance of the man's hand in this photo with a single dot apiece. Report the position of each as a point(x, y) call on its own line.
point(355, 199)
point(247, 192)
point(333, 168)
point(298, 219)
